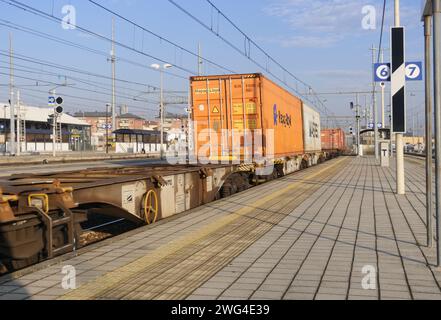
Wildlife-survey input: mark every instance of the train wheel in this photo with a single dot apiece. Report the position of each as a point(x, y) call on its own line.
point(225, 192)
point(151, 207)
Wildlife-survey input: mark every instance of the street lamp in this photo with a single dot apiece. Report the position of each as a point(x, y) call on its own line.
point(161, 71)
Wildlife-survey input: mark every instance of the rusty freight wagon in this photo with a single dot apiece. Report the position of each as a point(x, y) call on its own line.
point(333, 141)
point(42, 215)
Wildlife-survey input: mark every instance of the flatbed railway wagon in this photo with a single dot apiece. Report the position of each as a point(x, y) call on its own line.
point(41, 214)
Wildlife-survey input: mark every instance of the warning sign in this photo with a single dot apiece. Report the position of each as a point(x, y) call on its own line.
point(215, 110)
point(128, 198)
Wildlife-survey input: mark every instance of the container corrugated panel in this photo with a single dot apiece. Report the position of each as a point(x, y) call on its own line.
point(333, 139)
point(311, 129)
point(233, 113)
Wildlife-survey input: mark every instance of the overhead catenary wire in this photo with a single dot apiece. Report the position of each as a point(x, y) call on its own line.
point(46, 36)
point(247, 53)
point(43, 14)
point(47, 73)
point(74, 70)
point(42, 82)
point(382, 31)
point(83, 89)
point(194, 54)
point(102, 102)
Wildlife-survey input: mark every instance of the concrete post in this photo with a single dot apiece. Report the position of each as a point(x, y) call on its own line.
point(437, 106)
point(429, 131)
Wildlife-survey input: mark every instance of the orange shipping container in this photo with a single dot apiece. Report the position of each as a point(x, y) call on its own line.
point(333, 139)
point(232, 111)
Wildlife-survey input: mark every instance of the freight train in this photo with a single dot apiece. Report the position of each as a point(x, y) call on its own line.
point(238, 117)
point(247, 130)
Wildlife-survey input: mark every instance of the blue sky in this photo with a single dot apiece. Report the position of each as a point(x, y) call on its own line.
point(322, 42)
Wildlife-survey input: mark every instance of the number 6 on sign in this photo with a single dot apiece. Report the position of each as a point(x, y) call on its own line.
point(382, 72)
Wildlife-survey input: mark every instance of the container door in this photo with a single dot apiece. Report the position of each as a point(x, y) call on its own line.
point(242, 107)
point(217, 119)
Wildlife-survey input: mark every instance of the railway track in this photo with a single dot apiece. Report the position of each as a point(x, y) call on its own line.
point(105, 230)
point(416, 155)
point(151, 190)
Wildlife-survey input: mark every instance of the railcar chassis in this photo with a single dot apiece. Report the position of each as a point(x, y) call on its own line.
point(41, 215)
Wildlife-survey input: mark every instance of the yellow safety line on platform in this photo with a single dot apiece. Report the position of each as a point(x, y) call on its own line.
point(94, 288)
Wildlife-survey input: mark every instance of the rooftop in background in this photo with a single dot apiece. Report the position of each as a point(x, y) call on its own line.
point(37, 114)
point(97, 114)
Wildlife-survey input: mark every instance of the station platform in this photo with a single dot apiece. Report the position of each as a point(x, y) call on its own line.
point(334, 231)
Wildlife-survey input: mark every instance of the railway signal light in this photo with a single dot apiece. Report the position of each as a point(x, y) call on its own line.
point(59, 110)
point(50, 120)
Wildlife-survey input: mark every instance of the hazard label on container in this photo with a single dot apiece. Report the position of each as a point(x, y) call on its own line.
point(215, 110)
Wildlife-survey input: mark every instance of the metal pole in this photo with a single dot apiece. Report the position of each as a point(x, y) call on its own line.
point(11, 102)
point(18, 124)
point(200, 60)
point(357, 106)
point(397, 13)
point(162, 114)
point(366, 112)
point(429, 117)
point(391, 133)
point(113, 59)
point(401, 186)
point(383, 120)
point(413, 127)
point(374, 106)
point(107, 129)
point(437, 106)
point(54, 129)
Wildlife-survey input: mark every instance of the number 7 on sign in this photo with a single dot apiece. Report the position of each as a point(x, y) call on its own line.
point(414, 71)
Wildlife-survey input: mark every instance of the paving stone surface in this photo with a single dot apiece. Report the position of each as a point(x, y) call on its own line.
point(333, 232)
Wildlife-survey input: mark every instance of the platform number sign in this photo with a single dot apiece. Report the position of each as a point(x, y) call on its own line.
point(414, 71)
point(382, 72)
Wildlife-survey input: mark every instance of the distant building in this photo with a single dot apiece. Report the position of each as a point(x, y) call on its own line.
point(174, 125)
point(37, 132)
point(139, 141)
point(99, 120)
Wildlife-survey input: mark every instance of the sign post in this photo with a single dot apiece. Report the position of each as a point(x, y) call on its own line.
point(55, 103)
point(398, 93)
